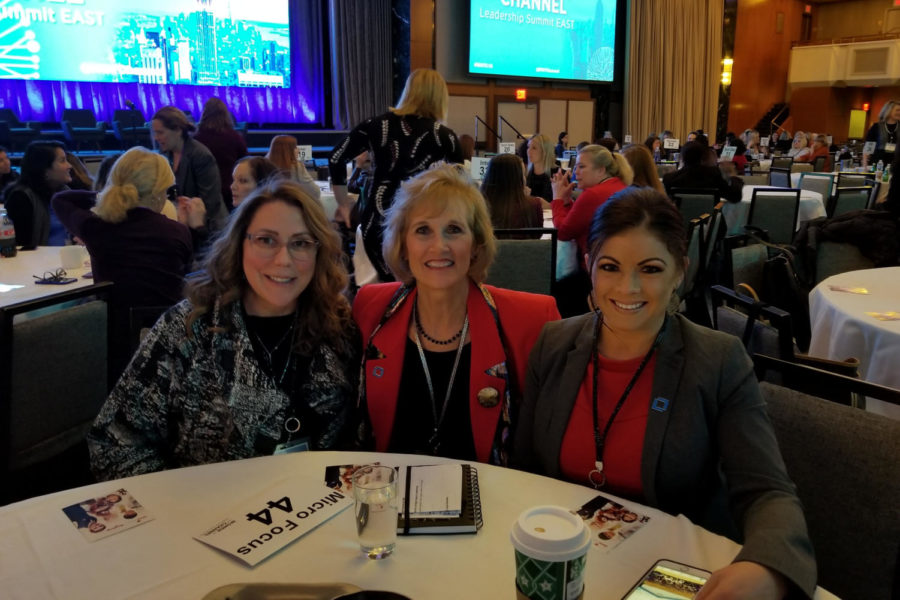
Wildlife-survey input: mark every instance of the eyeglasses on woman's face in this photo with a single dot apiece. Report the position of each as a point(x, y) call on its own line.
point(266, 245)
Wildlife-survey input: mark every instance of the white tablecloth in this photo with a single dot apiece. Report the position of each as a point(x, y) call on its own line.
point(19, 269)
point(43, 556)
point(841, 328)
point(811, 207)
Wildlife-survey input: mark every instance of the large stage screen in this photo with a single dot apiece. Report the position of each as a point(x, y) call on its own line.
point(199, 42)
point(544, 39)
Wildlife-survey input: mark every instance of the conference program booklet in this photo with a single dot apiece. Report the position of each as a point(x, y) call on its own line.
point(103, 516)
point(610, 522)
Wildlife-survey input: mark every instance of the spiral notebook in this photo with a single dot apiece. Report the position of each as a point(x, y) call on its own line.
point(468, 520)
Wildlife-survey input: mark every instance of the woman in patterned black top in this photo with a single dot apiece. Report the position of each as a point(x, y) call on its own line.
point(403, 141)
point(262, 357)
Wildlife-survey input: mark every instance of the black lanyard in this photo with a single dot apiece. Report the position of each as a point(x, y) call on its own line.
point(600, 437)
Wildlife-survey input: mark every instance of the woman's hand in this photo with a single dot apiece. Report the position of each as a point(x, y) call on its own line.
point(191, 212)
point(562, 189)
point(744, 579)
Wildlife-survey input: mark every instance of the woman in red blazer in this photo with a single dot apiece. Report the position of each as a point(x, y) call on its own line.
point(444, 355)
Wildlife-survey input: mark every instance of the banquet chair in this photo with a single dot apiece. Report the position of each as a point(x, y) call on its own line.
point(526, 265)
point(844, 464)
point(779, 178)
point(873, 195)
point(855, 179)
point(847, 199)
point(694, 202)
point(761, 178)
point(775, 212)
point(695, 250)
point(130, 128)
point(801, 167)
point(820, 183)
point(13, 132)
point(838, 257)
point(53, 381)
point(819, 163)
point(665, 168)
point(81, 125)
point(782, 162)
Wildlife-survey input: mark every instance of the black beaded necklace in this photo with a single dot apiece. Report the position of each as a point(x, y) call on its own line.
point(421, 331)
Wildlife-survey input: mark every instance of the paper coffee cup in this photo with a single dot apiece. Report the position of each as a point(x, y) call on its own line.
point(71, 257)
point(551, 546)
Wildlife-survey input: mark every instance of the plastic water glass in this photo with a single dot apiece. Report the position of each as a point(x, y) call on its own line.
point(375, 493)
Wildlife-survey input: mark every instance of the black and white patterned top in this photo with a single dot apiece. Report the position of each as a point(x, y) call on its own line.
point(193, 400)
point(402, 146)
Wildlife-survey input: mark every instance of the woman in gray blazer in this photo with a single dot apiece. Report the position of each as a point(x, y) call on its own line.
point(652, 407)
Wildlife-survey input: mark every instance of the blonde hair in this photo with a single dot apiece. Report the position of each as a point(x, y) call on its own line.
point(436, 188)
point(615, 164)
point(548, 149)
point(425, 94)
point(139, 178)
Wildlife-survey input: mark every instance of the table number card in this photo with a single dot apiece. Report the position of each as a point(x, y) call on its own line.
point(304, 153)
point(627, 139)
point(728, 152)
point(671, 143)
point(479, 167)
point(869, 148)
point(507, 148)
point(273, 519)
point(764, 141)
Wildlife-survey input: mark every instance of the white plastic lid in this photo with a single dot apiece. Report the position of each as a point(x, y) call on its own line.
point(550, 533)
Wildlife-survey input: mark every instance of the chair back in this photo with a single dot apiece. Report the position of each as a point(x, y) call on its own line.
point(844, 463)
point(780, 177)
point(695, 251)
point(665, 168)
point(855, 179)
point(694, 202)
point(10, 118)
point(782, 162)
point(742, 316)
point(775, 211)
point(848, 199)
point(526, 265)
point(873, 195)
point(838, 257)
point(53, 373)
point(80, 117)
point(128, 119)
point(800, 167)
point(819, 163)
point(820, 183)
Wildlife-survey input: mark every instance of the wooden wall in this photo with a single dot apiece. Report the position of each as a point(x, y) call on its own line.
point(848, 18)
point(761, 58)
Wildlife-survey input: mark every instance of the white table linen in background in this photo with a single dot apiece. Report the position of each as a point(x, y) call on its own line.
point(43, 556)
point(842, 329)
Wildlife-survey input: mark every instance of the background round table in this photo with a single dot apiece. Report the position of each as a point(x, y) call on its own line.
point(812, 206)
point(841, 328)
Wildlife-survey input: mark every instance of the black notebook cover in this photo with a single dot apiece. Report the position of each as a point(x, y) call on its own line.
point(469, 521)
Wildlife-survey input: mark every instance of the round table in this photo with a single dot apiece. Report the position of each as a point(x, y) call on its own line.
point(841, 328)
point(44, 556)
point(811, 206)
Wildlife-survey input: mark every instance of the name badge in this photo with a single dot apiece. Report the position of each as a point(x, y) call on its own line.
point(890, 147)
point(298, 445)
point(868, 147)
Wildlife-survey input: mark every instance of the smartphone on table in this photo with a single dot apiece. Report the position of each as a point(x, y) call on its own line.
point(669, 580)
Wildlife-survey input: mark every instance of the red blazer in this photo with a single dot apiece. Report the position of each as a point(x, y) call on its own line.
point(573, 222)
point(522, 316)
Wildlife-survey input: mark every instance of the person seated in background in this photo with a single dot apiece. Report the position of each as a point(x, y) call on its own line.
point(800, 148)
point(819, 148)
point(610, 143)
point(216, 131)
point(562, 143)
point(649, 406)
point(81, 179)
point(654, 145)
point(643, 167)
point(45, 171)
point(696, 175)
point(751, 140)
point(249, 173)
point(698, 135)
point(467, 146)
point(740, 156)
point(444, 354)
point(504, 190)
point(541, 165)
point(196, 173)
point(7, 175)
point(261, 358)
point(283, 154)
point(145, 254)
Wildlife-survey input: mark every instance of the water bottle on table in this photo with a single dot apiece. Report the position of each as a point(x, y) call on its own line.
point(7, 236)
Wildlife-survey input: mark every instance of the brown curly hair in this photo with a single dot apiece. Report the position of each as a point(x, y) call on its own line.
point(323, 313)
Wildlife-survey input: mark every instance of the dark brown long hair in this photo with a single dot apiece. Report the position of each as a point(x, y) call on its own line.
point(215, 117)
point(504, 189)
point(323, 313)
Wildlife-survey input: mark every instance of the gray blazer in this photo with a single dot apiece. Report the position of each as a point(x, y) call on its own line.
point(709, 451)
point(198, 175)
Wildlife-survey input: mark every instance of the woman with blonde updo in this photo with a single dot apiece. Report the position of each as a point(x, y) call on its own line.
point(130, 242)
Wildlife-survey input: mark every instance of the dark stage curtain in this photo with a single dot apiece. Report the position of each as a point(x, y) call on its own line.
point(360, 60)
point(303, 102)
